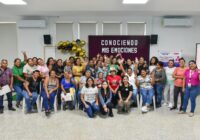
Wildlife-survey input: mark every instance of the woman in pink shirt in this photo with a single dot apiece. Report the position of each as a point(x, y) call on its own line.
point(178, 75)
point(44, 70)
point(190, 86)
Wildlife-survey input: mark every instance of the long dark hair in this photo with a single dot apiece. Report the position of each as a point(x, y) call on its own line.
point(87, 85)
point(107, 91)
point(123, 79)
point(48, 60)
point(156, 61)
point(76, 61)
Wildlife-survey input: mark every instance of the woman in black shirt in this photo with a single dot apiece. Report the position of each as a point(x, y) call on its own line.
point(125, 93)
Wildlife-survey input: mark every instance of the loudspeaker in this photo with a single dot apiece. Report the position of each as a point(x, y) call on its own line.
point(154, 39)
point(47, 39)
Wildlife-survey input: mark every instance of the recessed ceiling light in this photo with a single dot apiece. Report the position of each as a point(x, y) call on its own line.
point(13, 2)
point(135, 1)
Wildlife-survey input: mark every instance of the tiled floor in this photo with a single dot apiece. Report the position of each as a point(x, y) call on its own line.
point(74, 125)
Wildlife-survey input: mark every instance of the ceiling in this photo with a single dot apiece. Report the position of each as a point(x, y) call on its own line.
point(102, 7)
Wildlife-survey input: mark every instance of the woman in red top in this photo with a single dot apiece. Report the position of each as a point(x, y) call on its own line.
point(114, 82)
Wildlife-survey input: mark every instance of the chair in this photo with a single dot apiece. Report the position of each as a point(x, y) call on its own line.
point(73, 91)
point(55, 104)
point(37, 103)
point(154, 103)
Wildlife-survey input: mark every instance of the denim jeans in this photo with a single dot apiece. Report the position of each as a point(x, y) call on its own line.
point(79, 97)
point(159, 90)
point(134, 96)
point(93, 108)
point(147, 95)
point(30, 100)
point(18, 89)
point(48, 103)
point(9, 97)
point(190, 93)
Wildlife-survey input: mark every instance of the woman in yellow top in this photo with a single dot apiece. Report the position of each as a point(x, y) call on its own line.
point(78, 70)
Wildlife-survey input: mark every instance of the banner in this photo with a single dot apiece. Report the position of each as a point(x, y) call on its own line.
point(165, 56)
point(128, 46)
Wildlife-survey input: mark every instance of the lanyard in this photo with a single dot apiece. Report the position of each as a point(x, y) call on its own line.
point(190, 75)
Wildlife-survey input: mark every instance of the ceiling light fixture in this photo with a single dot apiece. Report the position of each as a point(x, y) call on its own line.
point(135, 1)
point(13, 2)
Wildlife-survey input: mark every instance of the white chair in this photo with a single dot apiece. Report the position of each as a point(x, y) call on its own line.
point(37, 103)
point(154, 103)
point(55, 103)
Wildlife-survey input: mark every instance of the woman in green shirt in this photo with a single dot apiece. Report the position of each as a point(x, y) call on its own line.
point(18, 78)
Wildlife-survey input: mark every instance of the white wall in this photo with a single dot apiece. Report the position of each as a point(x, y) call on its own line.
point(176, 39)
point(8, 42)
point(171, 39)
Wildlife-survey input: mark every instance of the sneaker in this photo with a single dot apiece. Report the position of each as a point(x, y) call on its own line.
point(191, 114)
point(12, 109)
point(18, 105)
point(170, 105)
point(144, 109)
point(165, 104)
point(47, 113)
point(110, 114)
point(181, 112)
point(173, 108)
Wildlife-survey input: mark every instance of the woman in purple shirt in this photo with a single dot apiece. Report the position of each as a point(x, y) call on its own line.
point(190, 87)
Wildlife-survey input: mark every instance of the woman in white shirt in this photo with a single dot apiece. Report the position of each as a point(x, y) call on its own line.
point(169, 87)
point(145, 83)
point(153, 63)
point(89, 97)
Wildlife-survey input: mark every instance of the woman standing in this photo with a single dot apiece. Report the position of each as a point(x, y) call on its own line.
point(153, 63)
point(89, 97)
point(169, 87)
point(78, 70)
point(50, 63)
point(160, 80)
point(178, 83)
point(191, 82)
point(51, 85)
point(19, 78)
point(44, 71)
point(105, 96)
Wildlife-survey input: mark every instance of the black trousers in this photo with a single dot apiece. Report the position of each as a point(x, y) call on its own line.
point(109, 106)
point(178, 90)
point(114, 100)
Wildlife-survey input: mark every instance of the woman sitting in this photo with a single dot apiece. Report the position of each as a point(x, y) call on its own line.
point(105, 96)
point(51, 85)
point(125, 93)
point(145, 83)
point(68, 91)
point(89, 97)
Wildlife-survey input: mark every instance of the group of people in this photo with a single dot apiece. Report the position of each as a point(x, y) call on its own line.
point(99, 84)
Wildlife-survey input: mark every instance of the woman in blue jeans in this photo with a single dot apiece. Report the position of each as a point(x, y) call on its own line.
point(145, 83)
point(51, 85)
point(89, 97)
point(191, 83)
point(160, 80)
